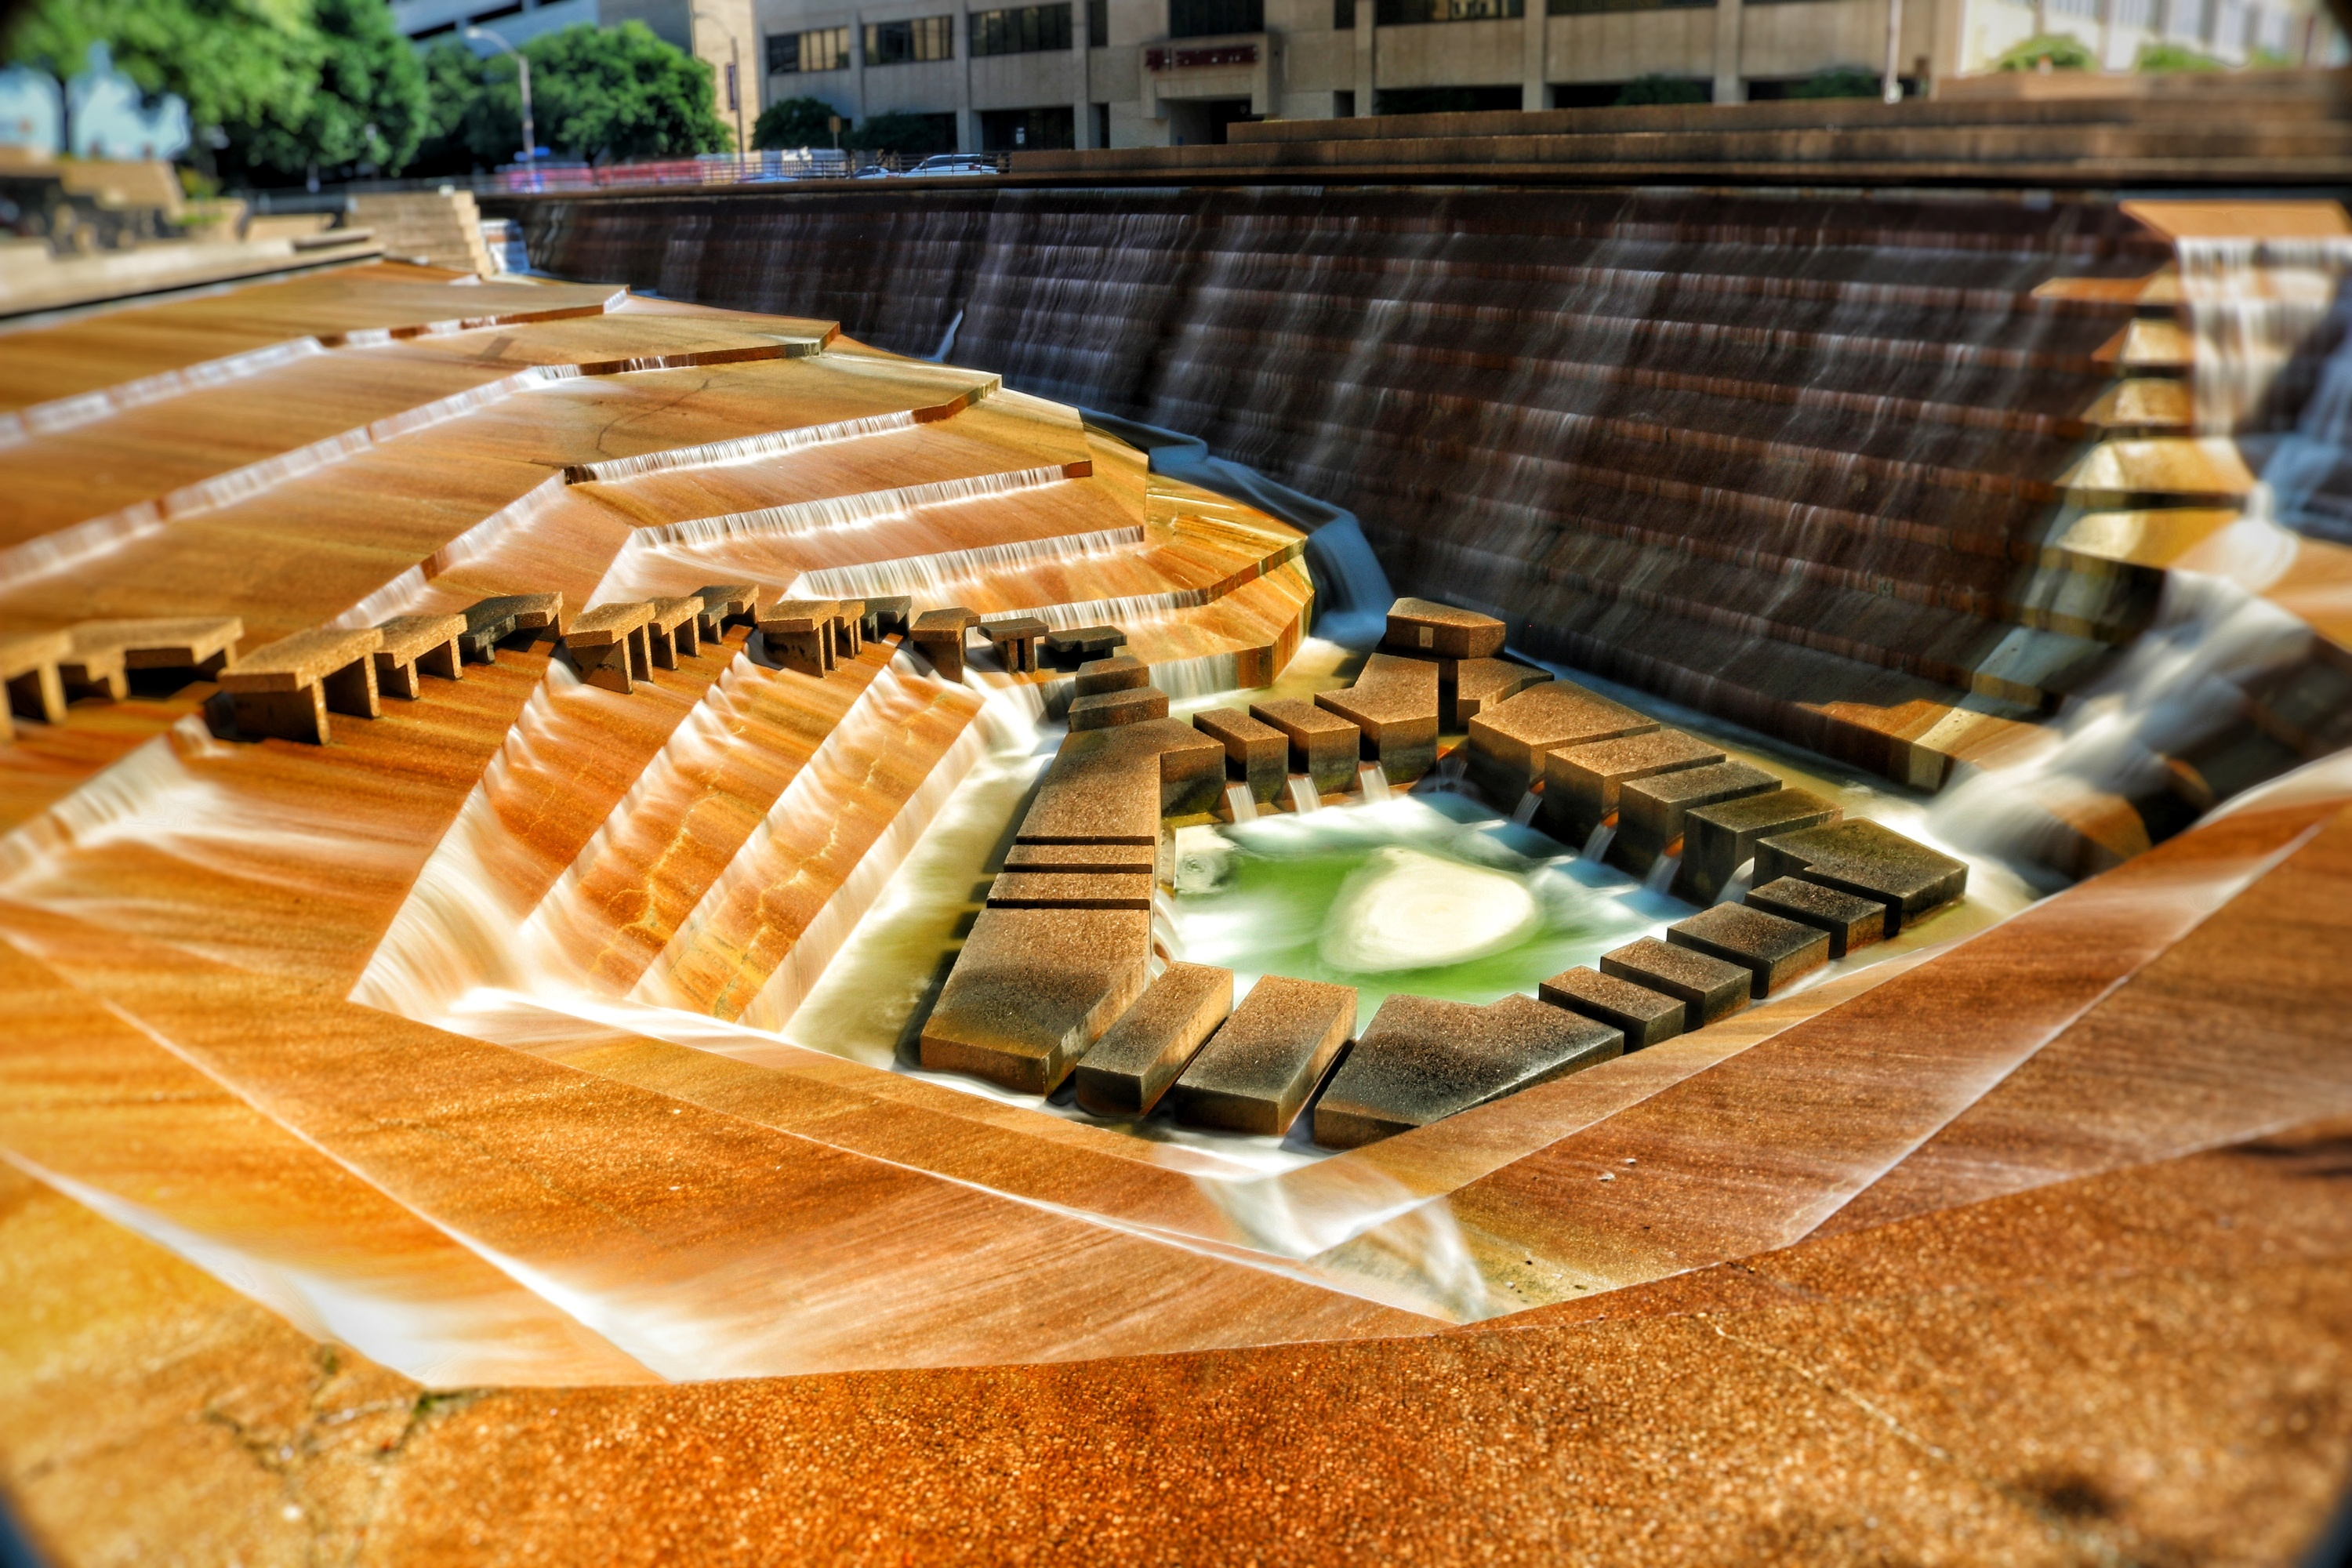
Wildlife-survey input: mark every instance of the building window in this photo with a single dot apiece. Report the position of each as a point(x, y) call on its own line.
point(899, 43)
point(1343, 15)
point(1343, 104)
point(1098, 22)
point(1102, 123)
point(1024, 30)
point(1404, 13)
point(1587, 8)
point(1445, 100)
point(825, 49)
point(1028, 130)
point(1214, 18)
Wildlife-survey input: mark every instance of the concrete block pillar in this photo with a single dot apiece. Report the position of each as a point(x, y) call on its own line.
point(1082, 110)
point(1730, 86)
point(1532, 68)
point(1367, 45)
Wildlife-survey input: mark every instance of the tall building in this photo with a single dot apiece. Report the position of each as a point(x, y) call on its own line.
point(1093, 73)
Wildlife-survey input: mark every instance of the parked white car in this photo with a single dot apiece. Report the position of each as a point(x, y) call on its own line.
point(954, 164)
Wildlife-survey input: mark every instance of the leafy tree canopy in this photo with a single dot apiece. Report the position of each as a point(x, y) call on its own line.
point(236, 62)
point(605, 95)
point(1845, 82)
point(368, 112)
point(898, 131)
point(792, 122)
point(2052, 51)
point(1658, 88)
point(2175, 58)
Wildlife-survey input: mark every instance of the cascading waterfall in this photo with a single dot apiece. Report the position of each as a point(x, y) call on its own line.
point(2254, 305)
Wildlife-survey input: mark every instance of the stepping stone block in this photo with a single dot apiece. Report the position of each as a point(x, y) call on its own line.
point(848, 628)
point(287, 689)
point(1033, 990)
point(1121, 672)
point(1650, 811)
point(1471, 686)
point(103, 651)
point(1016, 641)
point(1851, 922)
point(1508, 741)
point(1108, 709)
point(725, 604)
point(1432, 630)
point(613, 645)
point(800, 634)
point(1154, 1041)
point(1255, 753)
point(491, 622)
point(938, 635)
point(414, 643)
point(674, 632)
point(1084, 642)
point(28, 665)
point(1582, 784)
point(1393, 704)
point(887, 616)
point(1323, 745)
point(1423, 1059)
point(1068, 889)
point(1256, 1072)
point(1137, 857)
point(1773, 949)
point(1112, 786)
point(1717, 838)
point(1707, 987)
point(1861, 857)
point(1644, 1016)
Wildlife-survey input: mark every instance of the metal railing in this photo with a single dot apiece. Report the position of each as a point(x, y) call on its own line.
point(709, 169)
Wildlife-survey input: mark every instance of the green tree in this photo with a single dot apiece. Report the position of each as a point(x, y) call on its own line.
point(1844, 81)
point(368, 112)
point(2174, 58)
point(236, 62)
point(2055, 51)
point(1657, 87)
point(899, 132)
point(791, 123)
point(453, 85)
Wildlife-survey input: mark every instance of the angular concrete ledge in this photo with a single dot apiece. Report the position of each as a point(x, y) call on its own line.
point(802, 635)
point(1471, 686)
point(675, 630)
point(1255, 753)
point(1135, 1061)
point(29, 667)
point(1852, 921)
point(1113, 785)
point(1773, 949)
point(1121, 672)
point(103, 651)
point(1016, 641)
point(1644, 1016)
point(1582, 784)
point(1861, 857)
point(287, 689)
point(1650, 811)
point(725, 604)
point(1394, 704)
point(1508, 741)
point(411, 644)
point(1432, 630)
point(1717, 838)
point(1424, 1059)
point(1033, 990)
point(1110, 709)
point(938, 636)
point(613, 645)
point(491, 622)
point(1256, 1072)
point(1707, 987)
point(1142, 857)
point(887, 616)
point(1323, 746)
point(1084, 642)
point(1068, 889)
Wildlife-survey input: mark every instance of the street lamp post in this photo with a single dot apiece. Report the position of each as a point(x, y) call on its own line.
point(734, 82)
point(522, 71)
